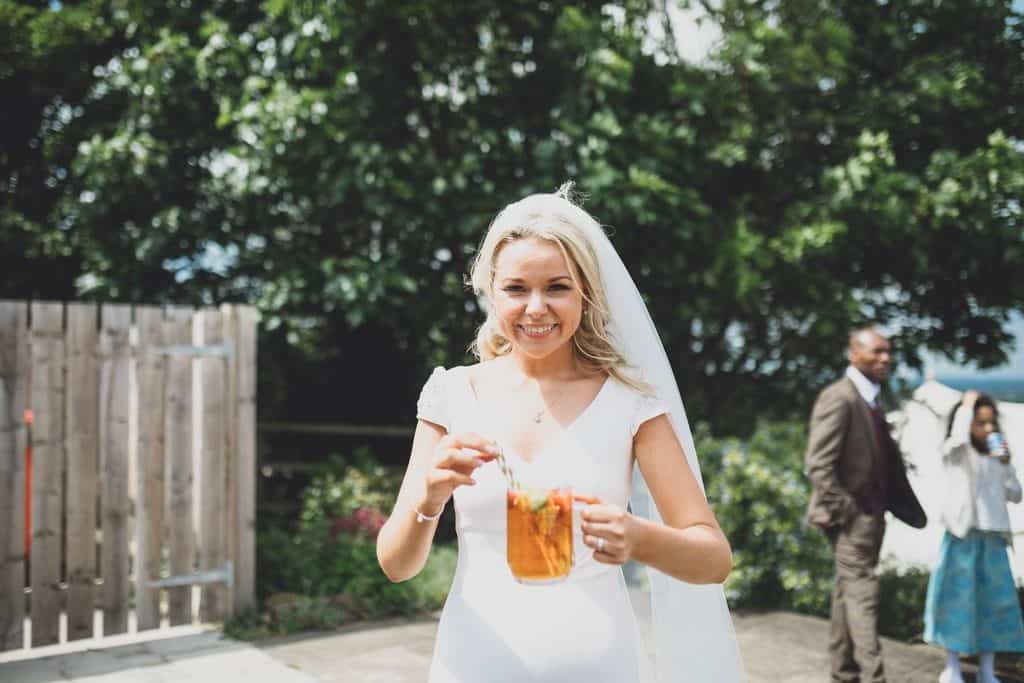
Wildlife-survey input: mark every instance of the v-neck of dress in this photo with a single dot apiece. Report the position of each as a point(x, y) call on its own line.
point(564, 430)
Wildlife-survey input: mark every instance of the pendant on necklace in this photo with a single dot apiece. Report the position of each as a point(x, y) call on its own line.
point(538, 417)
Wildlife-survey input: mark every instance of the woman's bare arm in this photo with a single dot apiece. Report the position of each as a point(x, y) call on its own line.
point(439, 463)
point(689, 545)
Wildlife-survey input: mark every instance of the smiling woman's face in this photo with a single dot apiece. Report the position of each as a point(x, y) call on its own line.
point(536, 299)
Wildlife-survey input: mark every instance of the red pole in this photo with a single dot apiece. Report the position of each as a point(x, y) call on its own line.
point(29, 418)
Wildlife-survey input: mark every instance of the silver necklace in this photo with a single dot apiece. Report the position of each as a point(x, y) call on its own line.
point(540, 413)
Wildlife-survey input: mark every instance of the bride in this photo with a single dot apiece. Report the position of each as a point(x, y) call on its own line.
point(573, 388)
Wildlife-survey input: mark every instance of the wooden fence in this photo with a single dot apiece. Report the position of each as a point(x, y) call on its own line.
point(127, 467)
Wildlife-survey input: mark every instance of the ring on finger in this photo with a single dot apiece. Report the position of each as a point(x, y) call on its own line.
point(600, 544)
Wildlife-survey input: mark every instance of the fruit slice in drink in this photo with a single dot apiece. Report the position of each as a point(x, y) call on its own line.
point(539, 540)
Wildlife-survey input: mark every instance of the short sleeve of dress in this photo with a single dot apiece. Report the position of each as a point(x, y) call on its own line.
point(645, 408)
point(433, 405)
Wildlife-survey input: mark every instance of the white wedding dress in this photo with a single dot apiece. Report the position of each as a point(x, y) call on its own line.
point(495, 629)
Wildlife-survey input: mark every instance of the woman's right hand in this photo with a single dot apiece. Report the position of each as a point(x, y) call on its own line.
point(455, 459)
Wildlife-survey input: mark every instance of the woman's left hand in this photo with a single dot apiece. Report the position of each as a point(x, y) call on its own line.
point(608, 529)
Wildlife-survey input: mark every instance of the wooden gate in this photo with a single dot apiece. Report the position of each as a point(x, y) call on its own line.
point(127, 467)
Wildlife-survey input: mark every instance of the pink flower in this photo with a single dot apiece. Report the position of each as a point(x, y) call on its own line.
point(363, 522)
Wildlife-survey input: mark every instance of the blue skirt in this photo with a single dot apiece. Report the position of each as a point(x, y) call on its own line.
point(972, 601)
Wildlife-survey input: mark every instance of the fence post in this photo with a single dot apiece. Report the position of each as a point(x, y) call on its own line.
point(115, 409)
point(180, 463)
point(82, 413)
point(149, 468)
point(47, 401)
point(245, 319)
point(213, 475)
point(14, 382)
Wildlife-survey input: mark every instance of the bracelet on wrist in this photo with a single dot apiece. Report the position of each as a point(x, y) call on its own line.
point(420, 517)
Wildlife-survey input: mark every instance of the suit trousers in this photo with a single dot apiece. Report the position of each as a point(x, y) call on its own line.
point(854, 648)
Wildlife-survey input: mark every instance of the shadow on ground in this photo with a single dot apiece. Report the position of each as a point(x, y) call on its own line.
point(196, 658)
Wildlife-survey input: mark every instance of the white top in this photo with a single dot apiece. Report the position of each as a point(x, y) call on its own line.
point(497, 630)
point(978, 485)
point(865, 387)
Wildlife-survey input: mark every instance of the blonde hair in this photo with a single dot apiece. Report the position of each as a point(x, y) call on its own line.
point(554, 218)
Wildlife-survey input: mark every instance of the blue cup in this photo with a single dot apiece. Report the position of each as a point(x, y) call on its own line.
point(996, 443)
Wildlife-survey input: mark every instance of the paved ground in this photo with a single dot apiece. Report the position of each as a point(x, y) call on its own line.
point(190, 655)
point(777, 648)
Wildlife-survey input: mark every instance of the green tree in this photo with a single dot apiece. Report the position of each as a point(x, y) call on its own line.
point(336, 163)
point(46, 63)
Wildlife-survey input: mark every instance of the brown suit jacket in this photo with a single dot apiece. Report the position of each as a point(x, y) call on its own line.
point(844, 462)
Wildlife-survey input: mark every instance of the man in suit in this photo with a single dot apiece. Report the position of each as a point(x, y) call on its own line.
point(857, 473)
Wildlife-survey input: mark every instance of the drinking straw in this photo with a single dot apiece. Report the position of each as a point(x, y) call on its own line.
point(506, 469)
point(549, 560)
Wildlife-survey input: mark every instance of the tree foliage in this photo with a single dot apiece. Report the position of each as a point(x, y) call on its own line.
point(336, 163)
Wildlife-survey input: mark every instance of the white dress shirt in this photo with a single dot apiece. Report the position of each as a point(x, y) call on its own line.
point(978, 485)
point(865, 387)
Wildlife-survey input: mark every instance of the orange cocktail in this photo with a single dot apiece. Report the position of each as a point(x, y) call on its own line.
point(539, 540)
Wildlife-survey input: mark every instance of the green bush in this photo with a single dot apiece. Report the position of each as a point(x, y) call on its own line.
point(309, 564)
point(325, 572)
point(341, 488)
point(759, 494)
point(901, 596)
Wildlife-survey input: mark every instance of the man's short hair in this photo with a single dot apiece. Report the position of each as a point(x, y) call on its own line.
point(857, 334)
